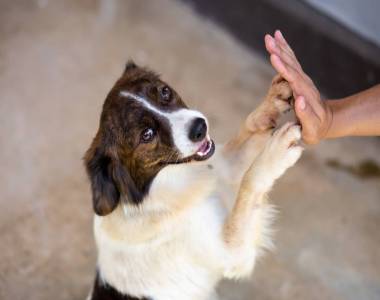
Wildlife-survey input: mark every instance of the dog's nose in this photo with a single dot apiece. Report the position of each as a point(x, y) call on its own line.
point(198, 130)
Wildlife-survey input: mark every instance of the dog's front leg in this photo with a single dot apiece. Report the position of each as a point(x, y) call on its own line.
point(264, 118)
point(246, 231)
point(240, 151)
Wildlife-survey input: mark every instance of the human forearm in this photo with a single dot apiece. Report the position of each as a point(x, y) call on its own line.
point(356, 115)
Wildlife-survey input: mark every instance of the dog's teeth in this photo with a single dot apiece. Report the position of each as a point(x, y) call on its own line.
point(206, 151)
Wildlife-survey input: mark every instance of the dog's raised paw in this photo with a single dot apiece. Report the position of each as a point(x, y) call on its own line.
point(280, 153)
point(281, 94)
point(278, 101)
point(284, 147)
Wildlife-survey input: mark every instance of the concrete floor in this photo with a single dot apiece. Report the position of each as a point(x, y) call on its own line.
point(58, 59)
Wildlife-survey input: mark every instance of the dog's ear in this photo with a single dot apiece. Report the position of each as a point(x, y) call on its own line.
point(125, 183)
point(109, 181)
point(105, 194)
point(130, 66)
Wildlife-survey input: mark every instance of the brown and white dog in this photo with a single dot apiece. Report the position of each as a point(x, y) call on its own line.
point(173, 217)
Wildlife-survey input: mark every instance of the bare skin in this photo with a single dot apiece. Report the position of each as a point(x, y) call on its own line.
point(356, 115)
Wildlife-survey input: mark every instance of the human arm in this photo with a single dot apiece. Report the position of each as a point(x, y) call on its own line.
point(356, 115)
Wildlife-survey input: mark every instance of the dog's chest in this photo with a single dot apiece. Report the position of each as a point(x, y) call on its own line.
point(182, 263)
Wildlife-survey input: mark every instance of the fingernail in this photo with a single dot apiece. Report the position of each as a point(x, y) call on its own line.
point(302, 103)
point(273, 42)
point(280, 33)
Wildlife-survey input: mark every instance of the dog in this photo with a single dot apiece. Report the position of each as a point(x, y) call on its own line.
point(173, 213)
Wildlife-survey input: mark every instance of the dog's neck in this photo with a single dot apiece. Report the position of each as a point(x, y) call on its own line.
point(173, 192)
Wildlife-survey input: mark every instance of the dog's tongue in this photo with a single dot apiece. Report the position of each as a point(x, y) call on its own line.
point(204, 148)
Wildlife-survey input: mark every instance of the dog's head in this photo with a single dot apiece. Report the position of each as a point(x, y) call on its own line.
point(144, 126)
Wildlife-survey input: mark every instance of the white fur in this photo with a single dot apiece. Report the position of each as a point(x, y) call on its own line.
point(174, 245)
point(171, 246)
point(179, 120)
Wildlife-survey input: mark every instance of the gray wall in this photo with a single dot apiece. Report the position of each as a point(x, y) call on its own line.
point(361, 16)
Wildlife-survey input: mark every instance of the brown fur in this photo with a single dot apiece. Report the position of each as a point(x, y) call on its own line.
point(278, 100)
point(167, 227)
point(258, 124)
point(118, 164)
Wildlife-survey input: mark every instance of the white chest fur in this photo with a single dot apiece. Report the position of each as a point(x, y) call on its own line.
point(169, 248)
point(182, 263)
point(173, 245)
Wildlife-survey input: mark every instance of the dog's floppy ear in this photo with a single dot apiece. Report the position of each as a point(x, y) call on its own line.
point(105, 194)
point(125, 184)
point(109, 181)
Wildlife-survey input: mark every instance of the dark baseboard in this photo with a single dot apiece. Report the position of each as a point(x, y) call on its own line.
point(338, 60)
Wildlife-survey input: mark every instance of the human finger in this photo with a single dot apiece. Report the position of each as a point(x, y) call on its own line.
point(280, 41)
point(270, 44)
point(286, 71)
point(280, 38)
point(308, 119)
point(274, 47)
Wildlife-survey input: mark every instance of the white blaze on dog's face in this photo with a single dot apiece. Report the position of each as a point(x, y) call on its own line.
point(189, 128)
point(144, 127)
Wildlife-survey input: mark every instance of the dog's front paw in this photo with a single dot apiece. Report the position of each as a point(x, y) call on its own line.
point(280, 153)
point(280, 94)
point(278, 101)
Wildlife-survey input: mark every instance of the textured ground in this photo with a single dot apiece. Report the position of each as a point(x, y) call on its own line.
point(58, 59)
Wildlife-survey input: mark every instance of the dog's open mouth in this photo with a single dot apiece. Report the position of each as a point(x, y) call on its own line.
point(205, 151)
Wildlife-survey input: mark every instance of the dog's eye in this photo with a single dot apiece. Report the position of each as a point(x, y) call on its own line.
point(147, 135)
point(166, 93)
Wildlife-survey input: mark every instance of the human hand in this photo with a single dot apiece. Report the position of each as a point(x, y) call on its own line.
point(314, 114)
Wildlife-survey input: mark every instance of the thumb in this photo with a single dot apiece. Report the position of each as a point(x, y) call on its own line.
point(307, 118)
point(303, 110)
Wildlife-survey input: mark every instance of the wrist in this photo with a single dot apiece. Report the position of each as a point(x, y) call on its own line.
point(329, 121)
point(337, 126)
